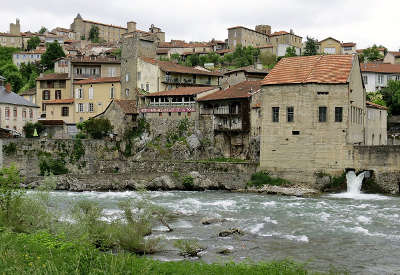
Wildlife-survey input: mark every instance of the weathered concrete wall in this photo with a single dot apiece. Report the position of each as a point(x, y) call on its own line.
point(102, 166)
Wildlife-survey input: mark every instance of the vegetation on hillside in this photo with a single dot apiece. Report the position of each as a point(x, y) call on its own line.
point(96, 128)
point(372, 54)
point(94, 34)
point(53, 52)
point(262, 178)
point(33, 42)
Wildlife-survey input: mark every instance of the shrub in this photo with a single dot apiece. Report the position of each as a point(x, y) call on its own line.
point(96, 128)
point(188, 248)
point(337, 183)
point(29, 129)
point(10, 149)
point(188, 182)
point(48, 165)
point(78, 151)
point(9, 189)
point(262, 178)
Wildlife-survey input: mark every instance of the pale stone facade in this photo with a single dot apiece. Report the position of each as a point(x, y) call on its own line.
point(376, 125)
point(27, 57)
point(247, 37)
point(330, 46)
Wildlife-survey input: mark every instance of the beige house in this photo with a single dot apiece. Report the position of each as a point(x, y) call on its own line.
point(92, 96)
point(313, 113)
point(376, 124)
point(330, 46)
point(154, 76)
point(349, 48)
point(392, 58)
point(15, 111)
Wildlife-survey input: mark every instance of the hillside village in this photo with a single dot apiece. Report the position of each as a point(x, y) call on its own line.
point(259, 95)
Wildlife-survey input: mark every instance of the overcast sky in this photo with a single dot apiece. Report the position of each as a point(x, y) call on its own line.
point(362, 21)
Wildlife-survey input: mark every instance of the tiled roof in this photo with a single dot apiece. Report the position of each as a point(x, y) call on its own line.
point(376, 106)
point(380, 68)
point(14, 99)
point(241, 27)
point(59, 101)
point(182, 91)
point(264, 46)
point(279, 33)
point(248, 69)
point(168, 66)
point(396, 54)
point(349, 44)
point(183, 44)
point(224, 51)
point(191, 53)
point(327, 69)
point(127, 106)
point(330, 38)
point(96, 59)
point(97, 23)
point(54, 76)
point(162, 51)
point(98, 80)
point(241, 90)
point(9, 34)
point(28, 92)
point(36, 51)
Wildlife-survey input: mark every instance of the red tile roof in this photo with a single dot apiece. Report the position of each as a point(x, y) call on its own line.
point(380, 68)
point(162, 51)
point(328, 69)
point(241, 90)
point(54, 76)
point(279, 33)
point(127, 106)
point(182, 91)
point(98, 80)
point(59, 101)
point(97, 23)
point(376, 106)
point(330, 38)
point(168, 66)
point(9, 34)
point(36, 51)
point(96, 59)
point(395, 54)
point(349, 44)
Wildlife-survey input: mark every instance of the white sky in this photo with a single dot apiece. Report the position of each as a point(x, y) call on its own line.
point(362, 21)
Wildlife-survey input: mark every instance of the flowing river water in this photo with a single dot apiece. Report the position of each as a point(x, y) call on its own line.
point(359, 234)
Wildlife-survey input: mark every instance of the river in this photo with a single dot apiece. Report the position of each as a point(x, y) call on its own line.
point(359, 235)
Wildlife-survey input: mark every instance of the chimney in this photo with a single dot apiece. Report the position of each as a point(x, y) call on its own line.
point(8, 87)
point(131, 26)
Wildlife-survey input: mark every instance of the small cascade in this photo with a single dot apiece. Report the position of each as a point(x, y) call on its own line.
point(354, 182)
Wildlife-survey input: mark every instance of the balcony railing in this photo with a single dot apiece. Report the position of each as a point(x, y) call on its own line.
point(187, 81)
point(226, 127)
point(86, 75)
point(172, 104)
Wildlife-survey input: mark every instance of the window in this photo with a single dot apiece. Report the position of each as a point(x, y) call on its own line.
point(91, 107)
point(112, 92)
point(338, 114)
point(127, 92)
point(330, 50)
point(80, 107)
point(43, 107)
point(322, 114)
point(24, 114)
point(159, 114)
point(365, 79)
point(169, 114)
point(91, 93)
point(147, 87)
point(58, 94)
point(30, 113)
point(179, 113)
point(322, 93)
point(290, 114)
point(126, 77)
point(65, 111)
point(46, 95)
point(79, 93)
point(15, 112)
point(139, 75)
point(7, 113)
point(295, 133)
point(189, 114)
point(275, 114)
point(380, 78)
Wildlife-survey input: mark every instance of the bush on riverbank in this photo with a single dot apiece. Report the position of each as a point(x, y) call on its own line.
point(44, 253)
point(259, 179)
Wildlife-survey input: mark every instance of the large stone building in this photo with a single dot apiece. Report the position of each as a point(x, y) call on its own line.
point(262, 38)
point(182, 48)
point(13, 38)
point(248, 73)
point(15, 111)
point(376, 124)
point(377, 75)
point(392, 58)
point(314, 112)
point(111, 33)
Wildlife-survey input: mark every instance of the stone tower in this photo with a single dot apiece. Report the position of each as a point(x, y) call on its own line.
point(15, 29)
point(266, 29)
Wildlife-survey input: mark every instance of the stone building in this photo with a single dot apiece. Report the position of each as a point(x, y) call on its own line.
point(123, 115)
point(184, 49)
point(377, 75)
point(15, 111)
point(233, 117)
point(13, 38)
point(313, 114)
point(66, 33)
point(33, 56)
point(376, 124)
point(248, 73)
point(29, 95)
point(282, 40)
point(349, 48)
point(392, 58)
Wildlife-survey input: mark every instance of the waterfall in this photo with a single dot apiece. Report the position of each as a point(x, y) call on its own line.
point(354, 182)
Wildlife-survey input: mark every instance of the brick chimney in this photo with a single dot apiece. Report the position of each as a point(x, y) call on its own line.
point(8, 88)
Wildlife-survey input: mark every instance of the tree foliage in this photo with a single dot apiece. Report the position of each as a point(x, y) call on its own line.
point(94, 34)
point(268, 59)
point(371, 54)
point(29, 129)
point(242, 56)
point(97, 128)
point(33, 42)
point(376, 97)
point(6, 55)
point(311, 47)
point(42, 30)
point(391, 95)
point(290, 52)
point(53, 52)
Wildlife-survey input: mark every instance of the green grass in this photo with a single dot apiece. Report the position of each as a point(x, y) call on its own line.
point(262, 178)
point(42, 253)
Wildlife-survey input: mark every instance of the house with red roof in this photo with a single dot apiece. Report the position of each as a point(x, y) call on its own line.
point(377, 75)
point(314, 112)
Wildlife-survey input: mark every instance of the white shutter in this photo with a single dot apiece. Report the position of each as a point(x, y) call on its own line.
point(76, 108)
point(82, 95)
point(91, 93)
point(77, 93)
point(87, 107)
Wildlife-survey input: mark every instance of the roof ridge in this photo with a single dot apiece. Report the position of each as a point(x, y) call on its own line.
point(312, 69)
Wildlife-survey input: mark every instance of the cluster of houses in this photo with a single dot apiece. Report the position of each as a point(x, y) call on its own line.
point(306, 105)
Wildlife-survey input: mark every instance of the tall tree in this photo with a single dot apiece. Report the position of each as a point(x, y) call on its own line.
point(6, 54)
point(33, 42)
point(94, 34)
point(42, 30)
point(290, 52)
point(391, 95)
point(371, 54)
point(311, 47)
point(53, 51)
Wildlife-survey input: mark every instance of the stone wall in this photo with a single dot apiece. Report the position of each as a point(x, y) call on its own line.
point(103, 167)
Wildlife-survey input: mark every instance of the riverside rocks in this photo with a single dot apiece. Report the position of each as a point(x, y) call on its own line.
point(285, 191)
point(208, 221)
point(230, 232)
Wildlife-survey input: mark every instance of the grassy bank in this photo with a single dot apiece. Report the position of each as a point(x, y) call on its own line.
point(43, 253)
